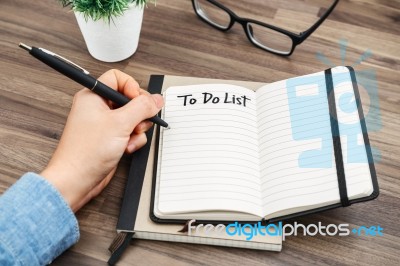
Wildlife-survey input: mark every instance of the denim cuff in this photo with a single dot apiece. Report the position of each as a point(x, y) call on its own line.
point(36, 223)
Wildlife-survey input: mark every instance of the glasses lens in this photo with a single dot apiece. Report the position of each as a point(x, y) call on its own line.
point(270, 39)
point(212, 13)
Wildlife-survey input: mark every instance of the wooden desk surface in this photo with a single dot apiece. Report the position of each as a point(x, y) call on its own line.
point(35, 101)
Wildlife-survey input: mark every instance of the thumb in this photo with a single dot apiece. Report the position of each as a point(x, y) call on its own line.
point(140, 108)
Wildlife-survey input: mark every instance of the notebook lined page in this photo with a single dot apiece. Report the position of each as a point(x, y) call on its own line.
point(284, 183)
point(297, 160)
point(209, 158)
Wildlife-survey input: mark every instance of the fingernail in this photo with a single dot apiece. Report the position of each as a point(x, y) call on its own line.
point(159, 100)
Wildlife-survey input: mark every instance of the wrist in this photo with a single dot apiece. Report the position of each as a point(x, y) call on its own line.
point(65, 182)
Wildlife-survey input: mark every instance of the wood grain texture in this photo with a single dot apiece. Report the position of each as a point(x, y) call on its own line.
point(35, 101)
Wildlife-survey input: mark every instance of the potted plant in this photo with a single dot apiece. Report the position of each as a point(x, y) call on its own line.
point(110, 28)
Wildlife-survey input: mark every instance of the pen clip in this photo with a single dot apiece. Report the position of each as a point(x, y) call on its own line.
point(65, 60)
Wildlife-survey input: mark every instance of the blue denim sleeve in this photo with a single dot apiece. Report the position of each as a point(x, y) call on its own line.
point(36, 224)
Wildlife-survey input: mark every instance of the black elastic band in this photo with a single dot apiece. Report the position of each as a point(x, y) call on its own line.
point(336, 139)
point(118, 246)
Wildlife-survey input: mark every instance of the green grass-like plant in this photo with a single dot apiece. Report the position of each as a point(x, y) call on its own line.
point(101, 9)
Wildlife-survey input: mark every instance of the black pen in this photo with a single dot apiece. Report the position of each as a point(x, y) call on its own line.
point(80, 75)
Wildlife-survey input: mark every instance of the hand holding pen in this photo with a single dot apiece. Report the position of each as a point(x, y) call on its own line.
point(80, 75)
point(96, 136)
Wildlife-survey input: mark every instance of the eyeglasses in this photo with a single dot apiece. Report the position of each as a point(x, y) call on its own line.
point(262, 35)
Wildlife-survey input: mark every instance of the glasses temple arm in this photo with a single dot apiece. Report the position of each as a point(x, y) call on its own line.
point(304, 35)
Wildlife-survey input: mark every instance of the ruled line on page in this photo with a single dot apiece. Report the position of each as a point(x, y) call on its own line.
point(208, 191)
point(331, 189)
point(215, 198)
point(314, 183)
point(189, 171)
point(281, 114)
point(198, 121)
point(207, 163)
point(215, 139)
point(247, 154)
point(265, 95)
point(211, 184)
point(291, 126)
point(299, 143)
point(211, 115)
point(187, 125)
point(277, 182)
point(240, 179)
point(212, 145)
point(311, 164)
point(317, 138)
point(208, 157)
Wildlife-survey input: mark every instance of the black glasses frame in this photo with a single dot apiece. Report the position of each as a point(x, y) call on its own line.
point(296, 38)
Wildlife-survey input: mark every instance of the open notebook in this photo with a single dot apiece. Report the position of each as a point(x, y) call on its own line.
point(237, 154)
point(134, 220)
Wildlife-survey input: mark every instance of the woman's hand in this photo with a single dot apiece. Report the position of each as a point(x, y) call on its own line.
point(96, 136)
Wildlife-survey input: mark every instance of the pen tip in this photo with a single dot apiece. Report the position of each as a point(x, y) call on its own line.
point(24, 46)
point(168, 127)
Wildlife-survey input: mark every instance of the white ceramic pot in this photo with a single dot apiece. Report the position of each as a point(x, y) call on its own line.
point(114, 41)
